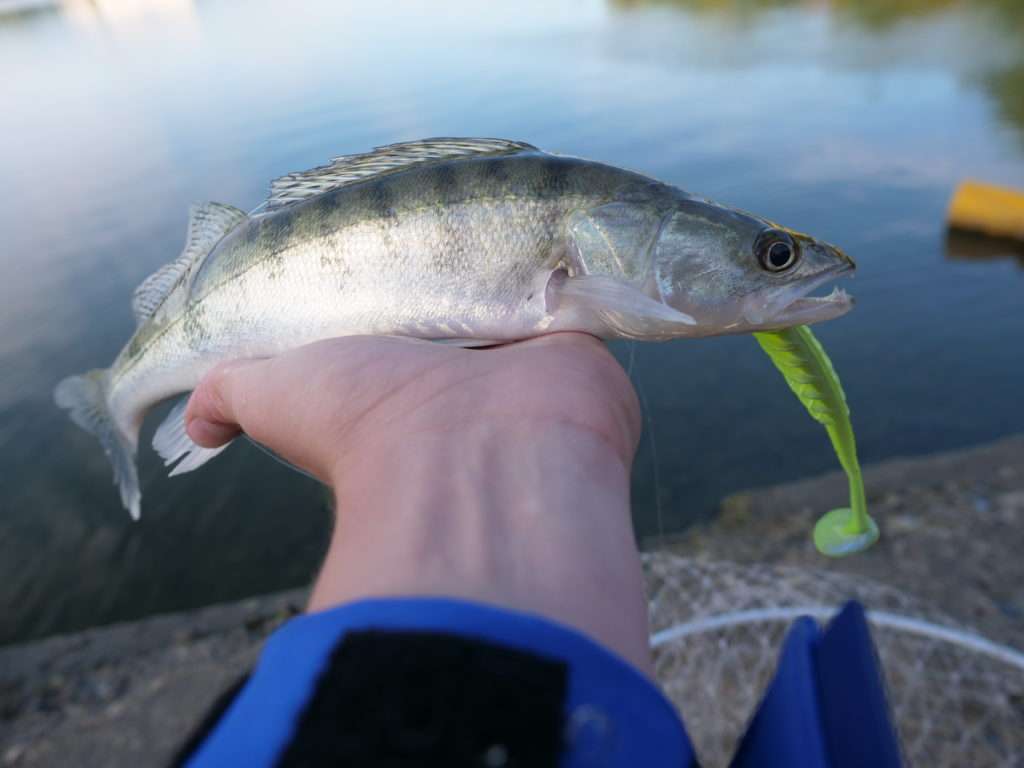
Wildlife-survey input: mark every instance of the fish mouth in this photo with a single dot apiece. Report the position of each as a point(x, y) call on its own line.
point(792, 305)
point(815, 309)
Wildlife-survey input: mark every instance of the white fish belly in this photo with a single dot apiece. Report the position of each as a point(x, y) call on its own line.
point(350, 282)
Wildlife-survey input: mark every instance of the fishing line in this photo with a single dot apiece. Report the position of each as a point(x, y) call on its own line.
point(279, 459)
point(649, 426)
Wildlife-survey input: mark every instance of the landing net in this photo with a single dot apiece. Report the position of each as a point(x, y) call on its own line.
point(957, 698)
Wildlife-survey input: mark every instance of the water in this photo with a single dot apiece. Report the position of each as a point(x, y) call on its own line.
point(849, 120)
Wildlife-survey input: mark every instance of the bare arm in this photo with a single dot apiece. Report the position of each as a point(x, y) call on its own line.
point(499, 475)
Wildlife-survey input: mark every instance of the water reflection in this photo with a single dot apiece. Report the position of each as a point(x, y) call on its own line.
point(999, 69)
point(967, 246)
point(19, 11)
point(873, 14)
point(855, 127)
point(1008, 88)
point(129, 18)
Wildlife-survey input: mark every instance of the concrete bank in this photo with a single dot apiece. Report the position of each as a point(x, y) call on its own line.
point(952, 538)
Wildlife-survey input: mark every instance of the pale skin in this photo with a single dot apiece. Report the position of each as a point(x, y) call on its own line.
point(498, 475)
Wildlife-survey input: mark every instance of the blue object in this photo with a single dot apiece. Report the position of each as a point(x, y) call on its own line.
point(826, 706)
point(615, 717)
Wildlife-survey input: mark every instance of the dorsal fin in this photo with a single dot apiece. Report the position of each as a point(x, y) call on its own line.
point(351, 168)
point(207, 224)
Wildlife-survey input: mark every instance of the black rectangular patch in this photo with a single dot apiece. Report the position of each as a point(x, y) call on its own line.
point(404, 699)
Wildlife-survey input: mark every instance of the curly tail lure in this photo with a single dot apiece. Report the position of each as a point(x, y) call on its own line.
point(809, 373)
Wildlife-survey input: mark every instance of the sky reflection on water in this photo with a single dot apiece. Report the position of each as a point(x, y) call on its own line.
point(852, 121)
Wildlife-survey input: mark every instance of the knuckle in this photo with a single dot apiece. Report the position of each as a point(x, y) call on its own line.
point(210, 397)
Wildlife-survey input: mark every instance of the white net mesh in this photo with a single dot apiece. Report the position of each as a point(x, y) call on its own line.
point(956, 699)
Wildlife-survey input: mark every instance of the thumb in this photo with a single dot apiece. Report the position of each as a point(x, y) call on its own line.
point(277, 401)
point(221, 406)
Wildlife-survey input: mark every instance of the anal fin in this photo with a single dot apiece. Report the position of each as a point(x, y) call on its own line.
point(173, 444)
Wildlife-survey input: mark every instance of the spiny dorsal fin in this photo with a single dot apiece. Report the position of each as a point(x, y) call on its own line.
point(350, 168)
point(207, 224)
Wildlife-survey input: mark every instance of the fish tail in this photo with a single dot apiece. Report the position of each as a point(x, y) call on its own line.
point(85, 398)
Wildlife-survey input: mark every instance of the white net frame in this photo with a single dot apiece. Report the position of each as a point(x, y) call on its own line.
point(957, 698)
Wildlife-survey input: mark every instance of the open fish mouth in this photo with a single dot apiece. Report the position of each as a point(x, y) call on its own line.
point(814, 309)
point(792, 305)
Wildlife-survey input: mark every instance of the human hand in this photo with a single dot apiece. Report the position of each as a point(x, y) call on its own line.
point(498, 475)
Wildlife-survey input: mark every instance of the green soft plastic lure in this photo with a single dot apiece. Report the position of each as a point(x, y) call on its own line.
point(809, 373)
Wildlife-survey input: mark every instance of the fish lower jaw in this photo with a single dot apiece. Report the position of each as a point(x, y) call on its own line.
point(813, 309)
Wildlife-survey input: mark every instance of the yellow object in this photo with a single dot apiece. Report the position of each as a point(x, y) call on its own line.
point(996, 211)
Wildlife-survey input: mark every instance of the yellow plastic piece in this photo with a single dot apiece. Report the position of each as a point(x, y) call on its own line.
point(996, 211)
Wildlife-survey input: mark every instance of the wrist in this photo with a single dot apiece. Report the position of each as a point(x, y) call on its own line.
point(531, 516)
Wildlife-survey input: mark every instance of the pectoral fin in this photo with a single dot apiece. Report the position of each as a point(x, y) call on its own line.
point(623, 307)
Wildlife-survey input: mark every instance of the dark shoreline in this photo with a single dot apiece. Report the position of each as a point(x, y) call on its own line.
point(126, 694)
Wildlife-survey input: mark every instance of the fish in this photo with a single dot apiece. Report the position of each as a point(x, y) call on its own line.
point(467, 241)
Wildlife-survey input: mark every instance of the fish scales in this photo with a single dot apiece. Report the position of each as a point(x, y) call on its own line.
point(465, 238)
point(496, 242)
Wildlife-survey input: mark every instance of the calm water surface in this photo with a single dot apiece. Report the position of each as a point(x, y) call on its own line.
point(849, 120)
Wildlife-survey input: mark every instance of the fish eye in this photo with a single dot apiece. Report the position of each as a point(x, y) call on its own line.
point(776, 251)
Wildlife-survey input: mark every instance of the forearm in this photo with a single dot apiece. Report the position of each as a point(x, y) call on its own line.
point(533, 517)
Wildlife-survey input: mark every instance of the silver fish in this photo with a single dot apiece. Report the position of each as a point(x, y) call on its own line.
point(470, 241)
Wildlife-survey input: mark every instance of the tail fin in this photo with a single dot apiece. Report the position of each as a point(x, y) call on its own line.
point(85, 397)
